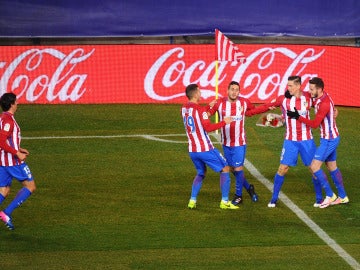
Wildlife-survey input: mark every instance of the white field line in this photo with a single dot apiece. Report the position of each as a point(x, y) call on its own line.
point(251, 168)
point(304, 217)
point(301, 214)
point(149, 137)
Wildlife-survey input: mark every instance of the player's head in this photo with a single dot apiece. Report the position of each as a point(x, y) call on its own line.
point(294, 84)
point(318, 82)
point(192, 90)
point(295, 79)
point(6, 100)
point(316, 87)
point(233, 90)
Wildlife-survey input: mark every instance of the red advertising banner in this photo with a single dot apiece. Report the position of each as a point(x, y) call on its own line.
point(92, 74)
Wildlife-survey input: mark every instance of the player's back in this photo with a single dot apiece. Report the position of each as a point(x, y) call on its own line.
point(328, 127)
point(198, 139)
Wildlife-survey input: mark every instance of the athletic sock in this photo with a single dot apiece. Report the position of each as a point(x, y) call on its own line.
point(240, 179)
point(338, 181)
point(196, 186)
point(246, 184)
point(2, 198)
point(317, 189)
point(278, 182)
point(321, 176)
point(20, 197)
point(225, 185)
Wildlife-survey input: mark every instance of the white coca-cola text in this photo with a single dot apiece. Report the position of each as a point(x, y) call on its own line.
point(253, 82)
point(63, 84)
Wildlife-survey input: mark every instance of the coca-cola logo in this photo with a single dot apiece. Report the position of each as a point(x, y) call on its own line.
point(63, 83)
point(256, 75)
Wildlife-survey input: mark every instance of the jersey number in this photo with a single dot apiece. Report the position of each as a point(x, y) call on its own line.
point(189, 123)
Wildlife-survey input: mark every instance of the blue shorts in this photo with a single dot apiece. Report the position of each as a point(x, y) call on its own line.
point(235, 155)
point(212, 158)
point(20, 172)
point(292, 149)
point(327, 150)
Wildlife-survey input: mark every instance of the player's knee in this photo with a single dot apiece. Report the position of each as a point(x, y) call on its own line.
point(238, 169)
point(314, 167)
point(5, 191)
point(226, 169)
point(331, 166)
point(283, 169)
point(30, 185)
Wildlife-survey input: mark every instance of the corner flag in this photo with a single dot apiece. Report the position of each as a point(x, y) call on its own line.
point(226, 50)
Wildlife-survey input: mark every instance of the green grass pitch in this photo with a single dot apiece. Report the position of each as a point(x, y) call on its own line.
point(120, 202)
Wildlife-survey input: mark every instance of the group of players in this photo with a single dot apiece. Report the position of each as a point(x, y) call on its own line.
point(295, 106)
point(232, 109)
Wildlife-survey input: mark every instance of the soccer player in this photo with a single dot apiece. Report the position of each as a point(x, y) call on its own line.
point(298, 138)
point(233, 137)
point(12, 159)
point(329, 141)
point(201, 149)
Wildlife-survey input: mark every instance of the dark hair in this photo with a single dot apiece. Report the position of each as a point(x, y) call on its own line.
point(319, 83)
point(295, 79)
point(7, 100)
point(190, 90)
point(233, 83)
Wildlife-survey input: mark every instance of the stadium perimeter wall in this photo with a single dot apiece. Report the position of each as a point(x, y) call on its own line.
point(157, 69)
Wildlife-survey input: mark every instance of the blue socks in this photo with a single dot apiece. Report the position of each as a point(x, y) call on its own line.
point(196, 186)
point(321, 176)
point(338, 182)
point(2, 198)
point(278, 182)
point(239, 182)
point(20, 197)
point(246, 184)
point(317, 189)
point(225, 185)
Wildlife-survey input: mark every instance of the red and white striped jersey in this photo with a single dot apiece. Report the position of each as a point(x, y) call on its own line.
point(296, 130)
point(324, 117)
point(234, 134)
point(197, 124)
point(9, 140)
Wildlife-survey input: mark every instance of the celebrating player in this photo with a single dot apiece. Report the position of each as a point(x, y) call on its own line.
point(329, 141)
point(233, 137)
point(201, 149)
point(298, 138)
point(12, 159)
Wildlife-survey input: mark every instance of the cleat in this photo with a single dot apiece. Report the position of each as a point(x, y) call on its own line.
point(272, 204)
point(337, 201)
point(340, 201)
point(237, 200)
point(344, 200)
point(228, 205)
point(328, 201)
point(192, 204)
point(318, 203)
point(254, 197)
point(7, 220)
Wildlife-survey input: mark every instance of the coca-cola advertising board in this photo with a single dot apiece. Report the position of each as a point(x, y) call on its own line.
point(95, 74)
